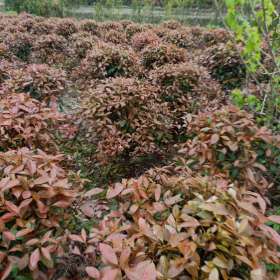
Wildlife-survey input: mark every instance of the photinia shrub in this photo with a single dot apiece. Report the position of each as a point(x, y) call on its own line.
point(228, 141)
point(172, 224)
point(186, 87)
point(35, 195)
point(125, 117)
point(26, 122)
point(39, 80)
point(105, 61)
point(143, 39)
point(225, 65)
point(157, 55)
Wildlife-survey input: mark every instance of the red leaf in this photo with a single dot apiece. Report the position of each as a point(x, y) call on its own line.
point(34, 259)
point(108, 253)
point(92, 272)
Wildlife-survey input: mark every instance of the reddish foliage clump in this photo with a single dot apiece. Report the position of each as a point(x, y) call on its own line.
point(171, 223)
point(157, 55)
point(228, 141)
point(35, 193)
point(105, 61)
point(25, 122)
point(143, 39)
point(39, 80)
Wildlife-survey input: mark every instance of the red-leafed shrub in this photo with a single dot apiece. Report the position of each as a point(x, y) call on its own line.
point(125, 118)
point(228, 141)
point(115, 37)
point(132, 29)
point(43, 27)
point(186, 88)
point(66, 27)
point(35, 195)
point(90, 26)
point(26, 122)
point(143, 39)
point(39, 80)
point(19, 44)
point(81, 43)
point(225, 65)
point(51, 49)
point(157, 55)
point(171, 24)
point(216, 36)
point(182, 38)
point(106, 60)
point(110, 25)
point(176, 225)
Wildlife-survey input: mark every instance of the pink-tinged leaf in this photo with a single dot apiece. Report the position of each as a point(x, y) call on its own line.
point(214, 139)
point(157, 192)
point(124, 257)
point(10, 185)
point(77, 238)
point(113, 192)
point(84, 235)
point(216, 208)
point(25, 203)
point(62, 204)
point(144, 270)
point(108, 253)
point(23, 232)
point(275, 219)
point(93, 192)
point(41, 180)
point(7, 271)
point(26, 194)
point(46, 253)
point(92, 272)
point(34, 259)
point(32, 242)
point(31, 165)
point(9, 235)
point(110, 274)
point(145, 229)
point(273, 234)
point(23, 262)
point(258, 274)
point(11, 207)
